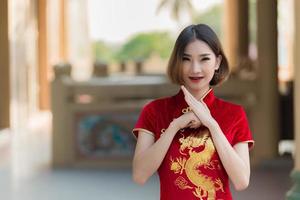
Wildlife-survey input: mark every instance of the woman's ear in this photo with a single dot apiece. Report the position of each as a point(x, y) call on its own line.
point(218, 62)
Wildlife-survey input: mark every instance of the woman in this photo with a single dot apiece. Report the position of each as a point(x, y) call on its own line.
point(194, 140)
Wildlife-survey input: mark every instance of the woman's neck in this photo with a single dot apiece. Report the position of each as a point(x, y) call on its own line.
point(198, 94)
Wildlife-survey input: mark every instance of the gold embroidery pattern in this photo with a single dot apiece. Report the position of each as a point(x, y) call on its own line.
point(182, 183)
point(186, 110)
point(212, 165)
point(203, 186)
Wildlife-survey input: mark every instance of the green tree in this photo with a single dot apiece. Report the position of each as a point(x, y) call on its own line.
point(214, 18)
point(211, 17)
point(141, 46)
point(103, 51)
point(176, 7)
point(252, 21)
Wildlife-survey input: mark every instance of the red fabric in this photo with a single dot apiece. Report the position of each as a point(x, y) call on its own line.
point(192, 168)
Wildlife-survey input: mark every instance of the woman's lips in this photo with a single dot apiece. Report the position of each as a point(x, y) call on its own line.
point(196, 79)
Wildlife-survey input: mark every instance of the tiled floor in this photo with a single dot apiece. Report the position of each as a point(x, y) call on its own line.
point(25, 174)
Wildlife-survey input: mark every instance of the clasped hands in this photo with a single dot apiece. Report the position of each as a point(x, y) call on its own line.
point(199, 114)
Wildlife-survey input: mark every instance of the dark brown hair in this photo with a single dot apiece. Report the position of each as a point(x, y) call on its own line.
point(196, 32)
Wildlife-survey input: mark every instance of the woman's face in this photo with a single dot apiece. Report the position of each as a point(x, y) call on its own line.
point(199, 65)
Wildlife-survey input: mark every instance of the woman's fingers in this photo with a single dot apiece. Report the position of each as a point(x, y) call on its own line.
point(194, 121)
point(189, 98)
point(199, 108)
point(186, 92)
point(205, 106)
point(195, 125)
point(189, 95)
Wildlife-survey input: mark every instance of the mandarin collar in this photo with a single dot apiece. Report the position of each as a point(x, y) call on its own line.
point(208, 98)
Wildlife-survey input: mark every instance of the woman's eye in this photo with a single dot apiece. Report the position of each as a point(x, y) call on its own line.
point(205, 58)
point(185, 58)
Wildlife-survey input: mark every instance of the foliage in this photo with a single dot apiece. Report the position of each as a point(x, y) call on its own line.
point(176, 7)
point(252, 21)
point(212, 17)
point(103, 52)
point(141, 46)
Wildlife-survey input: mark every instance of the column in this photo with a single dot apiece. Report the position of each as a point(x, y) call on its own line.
point(266, 113)
point(294, 193)
point(236, 29)
point(4, 66)
point(63, 50)
point(43, 56)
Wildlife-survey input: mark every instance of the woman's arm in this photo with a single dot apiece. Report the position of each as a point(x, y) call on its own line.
point(149, 154)
point(234, 159)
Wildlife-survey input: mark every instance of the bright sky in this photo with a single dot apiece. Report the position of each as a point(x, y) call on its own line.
point(115, 20)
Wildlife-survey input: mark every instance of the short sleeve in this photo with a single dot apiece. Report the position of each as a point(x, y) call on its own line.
point(146, 121)
point(241, 130)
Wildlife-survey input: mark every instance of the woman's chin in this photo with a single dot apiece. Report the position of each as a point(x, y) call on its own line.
point(196, 87)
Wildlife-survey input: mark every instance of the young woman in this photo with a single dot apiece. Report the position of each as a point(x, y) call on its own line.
point(196, 141)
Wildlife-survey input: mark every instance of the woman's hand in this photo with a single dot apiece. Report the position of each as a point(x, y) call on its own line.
point(199, 108)
point(195, 123)
point(187, 120)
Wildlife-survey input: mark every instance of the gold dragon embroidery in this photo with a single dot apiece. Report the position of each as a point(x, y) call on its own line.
point(203, 186)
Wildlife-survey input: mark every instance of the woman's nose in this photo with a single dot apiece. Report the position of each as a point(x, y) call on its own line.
point(196, 67)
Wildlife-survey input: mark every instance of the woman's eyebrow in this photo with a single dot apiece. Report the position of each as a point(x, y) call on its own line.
point(204, 54)
point(200, 55)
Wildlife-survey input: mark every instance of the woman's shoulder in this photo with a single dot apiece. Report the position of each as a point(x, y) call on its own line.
point(234, 108)
point(159, 103)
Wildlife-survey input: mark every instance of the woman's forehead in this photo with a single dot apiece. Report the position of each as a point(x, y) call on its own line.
point(197, 47)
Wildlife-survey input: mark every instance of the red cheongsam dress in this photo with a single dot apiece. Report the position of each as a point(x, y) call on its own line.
point(192, 168)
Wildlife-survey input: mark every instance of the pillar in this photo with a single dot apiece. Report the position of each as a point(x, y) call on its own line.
point(43, 56)
point(266, 113)
point(4, 66)
point(63, 44)
point(236, 29)
point(294, 193)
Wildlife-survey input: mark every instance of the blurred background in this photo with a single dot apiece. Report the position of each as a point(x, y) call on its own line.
point(74, 75)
